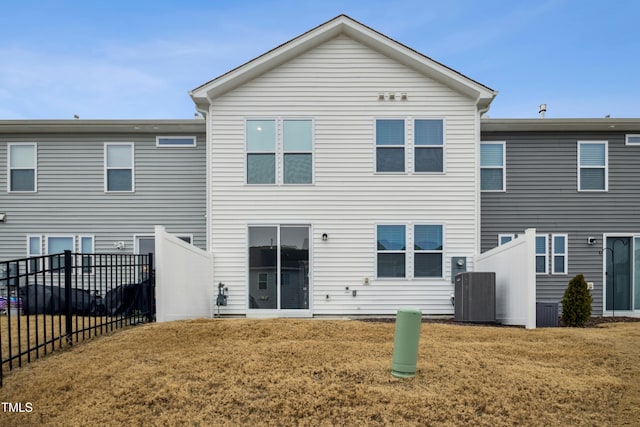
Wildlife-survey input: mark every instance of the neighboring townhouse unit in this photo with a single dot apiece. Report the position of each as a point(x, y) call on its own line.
point(99, 185)
point(342, 176)
point(576, 182)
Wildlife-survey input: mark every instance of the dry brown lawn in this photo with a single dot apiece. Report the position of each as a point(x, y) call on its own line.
point(284, 372)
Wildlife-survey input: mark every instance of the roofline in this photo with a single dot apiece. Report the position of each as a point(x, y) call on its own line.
point(103, 126)
point(204, 93)
point(551, 125)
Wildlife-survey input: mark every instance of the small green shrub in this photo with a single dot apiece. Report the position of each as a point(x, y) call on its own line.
point(576, 302)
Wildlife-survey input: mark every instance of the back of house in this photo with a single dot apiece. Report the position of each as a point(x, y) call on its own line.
point(343, 176)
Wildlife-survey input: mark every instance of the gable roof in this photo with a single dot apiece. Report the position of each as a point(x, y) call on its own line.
point(342, 24)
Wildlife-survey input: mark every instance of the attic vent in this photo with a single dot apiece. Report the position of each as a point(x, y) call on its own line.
point(392, 96)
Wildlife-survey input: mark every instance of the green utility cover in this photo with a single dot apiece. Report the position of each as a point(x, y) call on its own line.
point(405, 346)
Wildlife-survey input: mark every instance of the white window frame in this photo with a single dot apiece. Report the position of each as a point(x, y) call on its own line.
point(35, 166)
point(565, 254)
point(404, 146)
point(31, 253)
point(410, 251)
point(628, 139)
point(605, 167)
point(107, 168)
point(280, 143)
point(279, 151)
point(406, 251)
point(546, 254)
point(511, 236)
point(58, 236)
point(86, 269)
point(503, 167)
point(168, 144)
point(414, 251)
point(416, 147)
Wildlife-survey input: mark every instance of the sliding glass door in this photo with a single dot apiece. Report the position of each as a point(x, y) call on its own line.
point(279, 267)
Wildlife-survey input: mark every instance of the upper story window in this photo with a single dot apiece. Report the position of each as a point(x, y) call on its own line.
point(428, 145)
point(390, 142)
point(22, 166)
point(592, 166)
point(261, 151)
point(118, 167)
point(271, 143)
point(395, 140)
point(297, 141)
point(492, 166)
point(632, 139)
point(175, 141)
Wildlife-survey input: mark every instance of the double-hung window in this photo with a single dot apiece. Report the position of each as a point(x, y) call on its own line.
point(22, 159)
point(279, 151)
point(392, 251)
point(261, 151)
point(428, 140)
point(390, 145)
point(428, 251)
point(34, 249)
point(592, 166)
point(542, 245)
point(118, 167)
point(410, 251)
point(492, 170)
point(559, 251)
point(297, 140)
point(86, 248)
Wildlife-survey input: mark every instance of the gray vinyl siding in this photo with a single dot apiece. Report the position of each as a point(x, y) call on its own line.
point(542, 193)
point(170, 189)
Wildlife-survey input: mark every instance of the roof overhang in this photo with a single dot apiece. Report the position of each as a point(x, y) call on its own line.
point(205, 94)
point(156, 127)
point(560, 125)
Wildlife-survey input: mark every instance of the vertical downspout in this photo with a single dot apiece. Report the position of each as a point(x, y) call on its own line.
point(481, 111)
point(208, 212)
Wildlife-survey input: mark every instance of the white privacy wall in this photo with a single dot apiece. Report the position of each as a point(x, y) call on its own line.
point(515, 268)
point(184, 279)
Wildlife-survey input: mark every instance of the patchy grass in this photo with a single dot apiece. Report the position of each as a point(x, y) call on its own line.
point(321, 372)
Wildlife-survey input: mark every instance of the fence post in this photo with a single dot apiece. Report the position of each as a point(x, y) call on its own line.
point(67, 296)
point(151, 300)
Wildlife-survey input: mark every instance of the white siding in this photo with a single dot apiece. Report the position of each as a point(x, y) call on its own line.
point(337, 84)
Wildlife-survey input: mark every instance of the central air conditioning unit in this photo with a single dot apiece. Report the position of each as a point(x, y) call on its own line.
point(475, 297)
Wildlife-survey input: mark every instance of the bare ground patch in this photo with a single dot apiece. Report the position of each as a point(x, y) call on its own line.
point(321, 372)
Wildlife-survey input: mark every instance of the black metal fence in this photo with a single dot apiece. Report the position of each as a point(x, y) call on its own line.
point(52, 301)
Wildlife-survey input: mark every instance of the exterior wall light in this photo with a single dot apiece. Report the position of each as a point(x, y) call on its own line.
point(325, 237)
